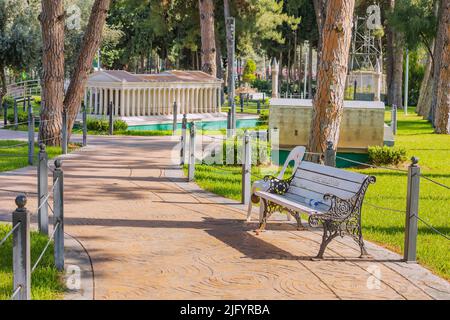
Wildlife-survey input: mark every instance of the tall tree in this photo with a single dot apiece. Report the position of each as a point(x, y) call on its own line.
point(89, 47)
point(52, 82)
point(442, 109)
point(332, 72)
point(206, 8)
point(394, 75)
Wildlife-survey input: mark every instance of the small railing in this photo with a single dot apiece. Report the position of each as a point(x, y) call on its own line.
point(20, 231)
point(413, 174)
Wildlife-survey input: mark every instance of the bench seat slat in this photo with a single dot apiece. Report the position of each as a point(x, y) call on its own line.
point(327, 180)
point(299, 186)
point(333, 172)
point(288, 203)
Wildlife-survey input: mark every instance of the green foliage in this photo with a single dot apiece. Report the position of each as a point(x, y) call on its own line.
point(249, 71)
point(386, 155)
point(262, 85)
point(37, 100)
point(119, 125)
point(9, 101)
point(21, 117)
point(102, 125)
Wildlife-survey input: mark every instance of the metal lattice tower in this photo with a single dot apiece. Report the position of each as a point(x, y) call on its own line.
point(366, 49)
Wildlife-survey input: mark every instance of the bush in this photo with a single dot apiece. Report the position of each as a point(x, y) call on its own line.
point(262, 86)
point(37, 99)
point(21, 117)
point(97, 124)
point(103, 125)
point(386, 155)
point(9, 101)
point(119, 125)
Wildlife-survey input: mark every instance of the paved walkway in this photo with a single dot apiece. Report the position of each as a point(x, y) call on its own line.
point(151, 235)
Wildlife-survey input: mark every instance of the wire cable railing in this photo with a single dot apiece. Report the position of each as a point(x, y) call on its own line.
point(49, 241)
point(9, 233)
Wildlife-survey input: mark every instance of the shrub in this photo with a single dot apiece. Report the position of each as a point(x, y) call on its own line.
point(37, 99)
point(21, 117)
point(97, 124)
point(103, 125)
point(249, 71)
point(119, 125)
point(386, 155)
point(9, 101)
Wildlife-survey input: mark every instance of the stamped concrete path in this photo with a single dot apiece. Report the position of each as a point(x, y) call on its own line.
point(151, 235)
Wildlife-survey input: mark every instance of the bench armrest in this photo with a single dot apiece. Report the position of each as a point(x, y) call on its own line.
point(342, 209)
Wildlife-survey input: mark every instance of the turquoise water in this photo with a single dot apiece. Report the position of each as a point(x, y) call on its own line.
point(205, 125)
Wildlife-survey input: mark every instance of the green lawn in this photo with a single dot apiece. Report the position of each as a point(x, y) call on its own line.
point(46, 281)
point(379, 226)
point(17, 157)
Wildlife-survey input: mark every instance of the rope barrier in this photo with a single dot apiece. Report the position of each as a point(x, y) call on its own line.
point(9, 233)
point(384, 208)
point(370, 165)
point(46, 247)
point(435, 182)
point(16, 292)
point(15, 191)
point(14, 145)
point(48, 194)
point(432, 228)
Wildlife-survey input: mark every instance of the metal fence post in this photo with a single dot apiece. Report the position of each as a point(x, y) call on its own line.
point(30, 136)
point(330, 155)
point(412, 210)
point(21, 250)
point(16, 115)
point(29, 102)
point(241, 100)
point(83, 106)
point(58, 214)
point(5, 113)
point(42, 189)
point(111, 123)
point(191, 168)
point(24, 103)
point(183, 140)
point(64, 132)
point(246, 168)
point(174, 123)
point(258, 107)
point(394, 119)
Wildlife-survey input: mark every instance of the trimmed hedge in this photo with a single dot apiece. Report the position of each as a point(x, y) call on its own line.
point(386, 155)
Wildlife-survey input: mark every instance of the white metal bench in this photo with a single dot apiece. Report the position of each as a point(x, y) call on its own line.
point(331, 197)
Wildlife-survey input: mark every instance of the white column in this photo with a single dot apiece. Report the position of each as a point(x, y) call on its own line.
point(158, 101)
point(219, 99)
point(96, 101)
point(154, 106)
point(214, 105)
point(101, 102)
point(188, 101)
point(91, 98)
point(149, 101)
point(138, 104)
point(198, 97)
point(116, 103)
point(133, 102)
point(178, 97)
point(122, 102)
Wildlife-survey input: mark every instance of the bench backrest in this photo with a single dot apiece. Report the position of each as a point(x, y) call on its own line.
point(311, 181)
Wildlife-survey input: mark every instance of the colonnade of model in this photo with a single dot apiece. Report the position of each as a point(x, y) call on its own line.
point(146, 101)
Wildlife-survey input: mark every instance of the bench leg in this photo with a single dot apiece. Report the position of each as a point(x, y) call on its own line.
point(262, 214)
point(297, 218)
point(360, 241)
point(326, 239)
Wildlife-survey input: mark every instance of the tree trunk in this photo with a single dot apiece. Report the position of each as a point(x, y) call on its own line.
point(310, 70)
point(206, 8)
point(438, 47)
point(89, 47)
point(394, 64)
point(3, 87)
point(425, 89)
point(328, 101)
point(442, 109)
point(52, 25)
point(320, 7)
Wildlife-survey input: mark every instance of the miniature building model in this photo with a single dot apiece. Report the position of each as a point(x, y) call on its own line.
point(152, 94)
